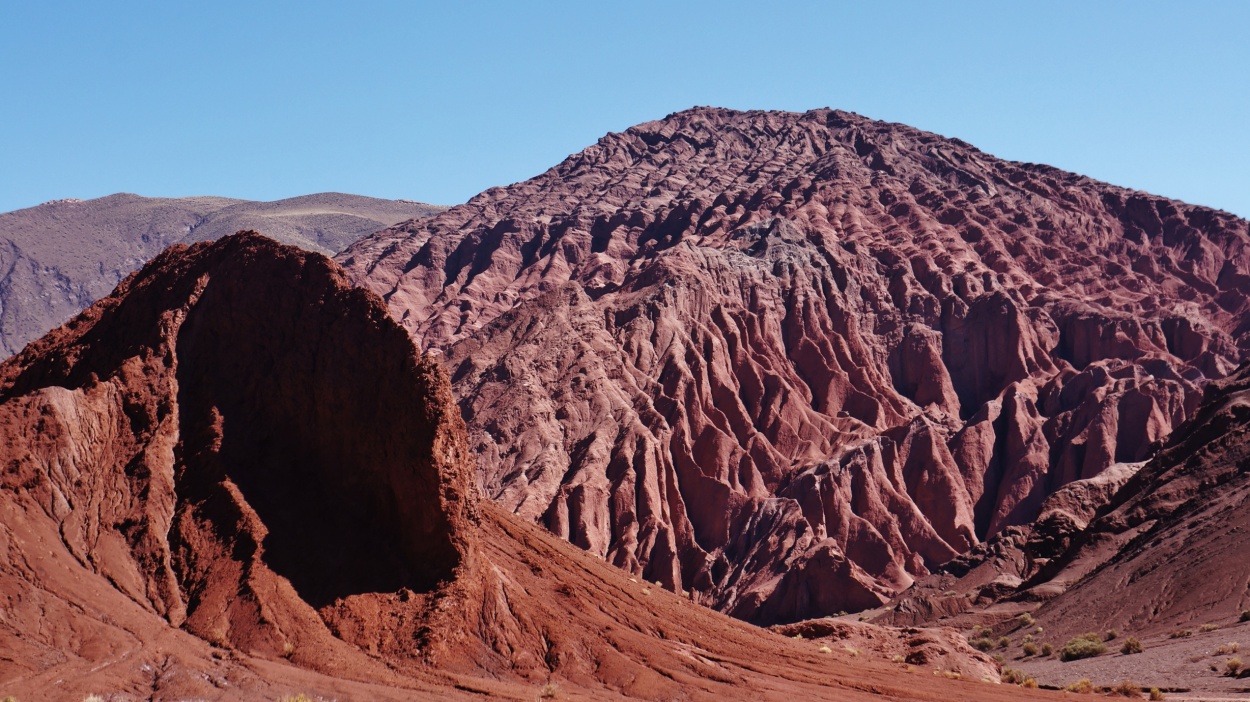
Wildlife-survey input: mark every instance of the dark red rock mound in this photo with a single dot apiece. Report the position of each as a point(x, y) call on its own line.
point(236, 478)
point(792, 362)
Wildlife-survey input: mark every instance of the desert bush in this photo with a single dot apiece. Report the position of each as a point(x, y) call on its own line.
point(1180, 634)
point(549, 691)
point(1126, 688)
point(982, 644)
point(1208, 627)
point(1110, 635)
point(1004, 642)
point(1245, 616)
point(301, 697)
point(1025, 619)
point(1131, 645)
point(1030, 649)
point(1083, 646)
point(1232, 667)
point(1225, 649)
point(825, 649)
point(1047, 649)
point(1082, 686)
point(1012, 676)
point(998, 658)
point(1156, 694)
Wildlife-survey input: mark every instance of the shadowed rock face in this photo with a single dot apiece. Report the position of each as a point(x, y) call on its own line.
point(792, 362)
point(213, 435)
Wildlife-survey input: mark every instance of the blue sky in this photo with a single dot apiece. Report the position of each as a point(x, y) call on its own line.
point(437, 102)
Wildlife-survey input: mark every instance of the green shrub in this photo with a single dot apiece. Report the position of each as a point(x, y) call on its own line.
point(1156, 694)
point(982, 644)
point(1026, 619)
point(1030, 649)
point(1083, 646)
point(1131, 645)
point(1004, 642)
point(1047, 649)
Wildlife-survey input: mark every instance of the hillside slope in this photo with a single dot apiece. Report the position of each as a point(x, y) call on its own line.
point(792, 362)
point(235, 479)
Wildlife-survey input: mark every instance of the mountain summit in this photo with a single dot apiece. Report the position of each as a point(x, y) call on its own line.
point(791, 362)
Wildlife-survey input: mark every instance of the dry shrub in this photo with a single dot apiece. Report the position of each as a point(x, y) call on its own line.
point(1082, 686)
point(1125, 688)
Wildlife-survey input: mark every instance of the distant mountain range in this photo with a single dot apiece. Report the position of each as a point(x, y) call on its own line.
point(59, 257)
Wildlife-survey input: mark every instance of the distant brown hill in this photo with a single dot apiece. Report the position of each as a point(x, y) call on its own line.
point(59, 257)
point(793, 362)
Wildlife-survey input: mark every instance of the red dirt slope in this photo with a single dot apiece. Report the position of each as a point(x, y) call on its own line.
point(235, 478)
point(793, 362)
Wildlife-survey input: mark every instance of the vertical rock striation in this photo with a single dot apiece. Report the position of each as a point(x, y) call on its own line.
point(792, 362)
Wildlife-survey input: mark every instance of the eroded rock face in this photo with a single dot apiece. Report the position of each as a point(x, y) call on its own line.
point(1145, 548)
point(791, 362)
point(236, 478)
point(244, 445)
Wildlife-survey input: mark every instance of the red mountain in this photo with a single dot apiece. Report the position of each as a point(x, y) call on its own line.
point(792, 362)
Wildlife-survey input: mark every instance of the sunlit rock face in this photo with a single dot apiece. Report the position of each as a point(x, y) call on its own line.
point(791, 362)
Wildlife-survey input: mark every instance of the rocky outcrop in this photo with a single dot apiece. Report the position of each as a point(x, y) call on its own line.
point(792, 362)
point(201, 441)
point(61, 256)
point(235, 478)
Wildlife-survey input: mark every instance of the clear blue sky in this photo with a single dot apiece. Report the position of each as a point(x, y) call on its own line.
point(437, 102)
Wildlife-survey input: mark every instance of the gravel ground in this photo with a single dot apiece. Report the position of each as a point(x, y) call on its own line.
point(1179, 667)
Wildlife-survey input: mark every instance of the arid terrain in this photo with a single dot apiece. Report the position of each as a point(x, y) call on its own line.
point(59, 257)
point(730, 405)
point(791, 363)
point(236, 478)
point(1162, 560)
